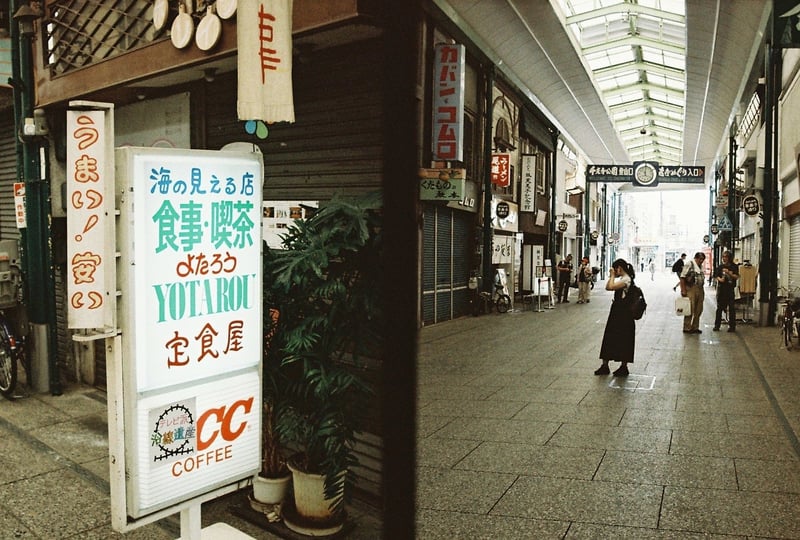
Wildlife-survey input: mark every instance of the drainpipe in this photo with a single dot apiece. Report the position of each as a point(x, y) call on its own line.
point(586, 232)
point(777, 211)
point(488, 275)
point(766, 271)
point(731, 211)
point(553, 218)
point(604, 232)
point(36, 252)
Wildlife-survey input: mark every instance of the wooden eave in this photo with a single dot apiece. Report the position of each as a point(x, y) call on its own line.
point(161, 57)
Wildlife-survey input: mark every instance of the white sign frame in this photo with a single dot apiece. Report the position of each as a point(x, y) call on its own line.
point(216, 399)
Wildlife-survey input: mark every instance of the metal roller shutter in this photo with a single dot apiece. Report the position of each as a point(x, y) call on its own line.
point(445, 266)
point(794, 252)
point(8, 175)
point(335, 144)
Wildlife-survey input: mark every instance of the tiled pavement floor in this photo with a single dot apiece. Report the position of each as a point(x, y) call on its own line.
point(518, 439)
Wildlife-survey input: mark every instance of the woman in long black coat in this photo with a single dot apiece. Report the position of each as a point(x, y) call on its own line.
point(619, 337)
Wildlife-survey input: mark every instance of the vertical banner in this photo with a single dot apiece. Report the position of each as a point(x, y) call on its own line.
point(528, 187)
point(264, 40)
point(88, 254)
point(192, 231)
point(19, 205)
point(501, 169)
point(447, 142)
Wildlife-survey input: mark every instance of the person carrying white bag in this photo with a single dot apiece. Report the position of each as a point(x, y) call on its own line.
point(692, 279)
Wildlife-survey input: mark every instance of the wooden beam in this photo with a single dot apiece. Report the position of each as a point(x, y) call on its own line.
point(161, 57)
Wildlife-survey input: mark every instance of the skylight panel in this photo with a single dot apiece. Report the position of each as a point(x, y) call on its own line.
point(642, 80)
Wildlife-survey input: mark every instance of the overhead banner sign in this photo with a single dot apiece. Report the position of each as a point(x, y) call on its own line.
point(447, 142)
point(264, 41)
point(646, 174)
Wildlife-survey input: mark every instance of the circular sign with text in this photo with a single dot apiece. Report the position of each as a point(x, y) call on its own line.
point(502, 210)
point(751, 205)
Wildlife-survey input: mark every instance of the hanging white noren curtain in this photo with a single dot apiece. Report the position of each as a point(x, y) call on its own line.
point(264, 40)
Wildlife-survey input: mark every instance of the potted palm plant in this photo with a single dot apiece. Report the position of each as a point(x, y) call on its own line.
point(271, 483)
point(325, 284)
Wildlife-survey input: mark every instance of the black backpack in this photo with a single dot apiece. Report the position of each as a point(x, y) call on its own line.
point(635, 300)
point(677, 266)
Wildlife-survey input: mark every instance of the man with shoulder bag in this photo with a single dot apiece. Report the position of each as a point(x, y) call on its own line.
point(692, 278)
point(726, 275)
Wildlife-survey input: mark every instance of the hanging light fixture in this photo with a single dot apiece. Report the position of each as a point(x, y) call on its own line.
point(25, 17)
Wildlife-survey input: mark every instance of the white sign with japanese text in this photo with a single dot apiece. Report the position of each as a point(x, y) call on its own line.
point(191, 274)
point(502, 249)
point(89, 203)
point(528, 184)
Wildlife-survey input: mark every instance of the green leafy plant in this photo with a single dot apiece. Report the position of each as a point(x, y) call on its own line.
point(325, 284)
point(273, 462)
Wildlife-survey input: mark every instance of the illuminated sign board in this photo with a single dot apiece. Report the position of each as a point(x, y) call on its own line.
point(190, 268)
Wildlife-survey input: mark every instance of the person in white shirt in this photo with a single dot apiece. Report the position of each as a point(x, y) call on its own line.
point(692, 278)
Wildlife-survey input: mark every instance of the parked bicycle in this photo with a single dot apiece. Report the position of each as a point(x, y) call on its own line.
point(789, 316)
point(12, 355)
point(484, 301)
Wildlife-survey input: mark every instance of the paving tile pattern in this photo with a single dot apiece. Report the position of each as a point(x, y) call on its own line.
point(518, 439)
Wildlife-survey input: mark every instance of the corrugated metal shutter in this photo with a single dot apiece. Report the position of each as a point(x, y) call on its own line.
point(8, 175)
point(428, 266)
point(462, 246)
point(444, 264)
point(794, 251)
point(334, 145)
point(446, 250)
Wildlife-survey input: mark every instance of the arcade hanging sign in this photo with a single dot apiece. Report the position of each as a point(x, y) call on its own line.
point(646, 174)
point(447, 141)
point(786, 23)
point(751, 205)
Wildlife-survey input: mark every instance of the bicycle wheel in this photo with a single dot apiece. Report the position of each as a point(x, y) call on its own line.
point(503, 303)
point(8, 371)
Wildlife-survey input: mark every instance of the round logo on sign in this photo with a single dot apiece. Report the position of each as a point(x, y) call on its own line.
point(502, 210)
point(595, 235)
point(751, 206)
